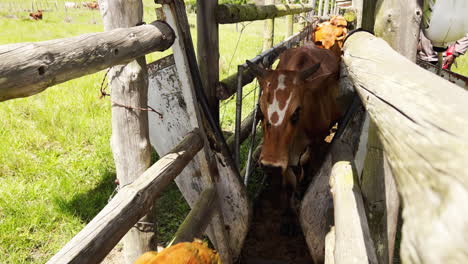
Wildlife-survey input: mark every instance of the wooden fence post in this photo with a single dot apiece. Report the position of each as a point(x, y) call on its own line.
point(326, 8)
point(320, 8)
point(380, 197)
point(289, 23)
point(130, 139)
point(357, 6)
point(398, 23)
point(269, 29)
point(208, 51)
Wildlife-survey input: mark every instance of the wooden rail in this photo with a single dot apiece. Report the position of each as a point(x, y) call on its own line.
point(132, 202)
point(228, 13)
point(198, 219)
point(29, 68)
point(421, 119)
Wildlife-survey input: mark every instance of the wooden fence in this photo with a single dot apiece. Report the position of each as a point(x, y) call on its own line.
point(418, 118)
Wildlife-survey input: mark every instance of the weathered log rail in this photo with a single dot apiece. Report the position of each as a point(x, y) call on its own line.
point(421, 119)
point(228, 13)
point(131, 203)
point(30, 68)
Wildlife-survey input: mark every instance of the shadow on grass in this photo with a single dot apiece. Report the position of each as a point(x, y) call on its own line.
point(87, 205)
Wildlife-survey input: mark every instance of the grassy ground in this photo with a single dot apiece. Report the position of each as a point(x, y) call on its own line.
point(56, 166)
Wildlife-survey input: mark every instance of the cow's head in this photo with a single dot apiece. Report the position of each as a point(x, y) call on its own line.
point(281, 106)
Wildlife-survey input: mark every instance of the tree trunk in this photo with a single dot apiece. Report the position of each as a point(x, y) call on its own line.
point(208, 51)
point(130, 139)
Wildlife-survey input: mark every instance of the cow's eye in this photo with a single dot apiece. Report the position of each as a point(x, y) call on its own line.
point(295, 116)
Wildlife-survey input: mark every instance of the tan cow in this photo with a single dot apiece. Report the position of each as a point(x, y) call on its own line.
point(331, 34)
point(299, 105)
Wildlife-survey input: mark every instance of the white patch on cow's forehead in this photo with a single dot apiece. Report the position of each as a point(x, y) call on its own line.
point(281, 84)
point(275, 108)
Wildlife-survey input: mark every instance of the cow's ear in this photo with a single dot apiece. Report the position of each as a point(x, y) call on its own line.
point(308, 72)
point(256, 69)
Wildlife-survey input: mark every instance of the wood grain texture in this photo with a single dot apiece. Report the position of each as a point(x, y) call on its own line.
point(208, 51)
point(130, 135)
point(353, 243)
point(131, 203)
point(228, 13)
point(420, 117)
point(398, 22)
point(231, 224)
point(380, 197)
point(198, 219)
point(29, 68)
point(316, 214)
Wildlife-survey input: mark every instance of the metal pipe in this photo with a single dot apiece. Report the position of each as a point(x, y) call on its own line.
point(240, 70)
point(254, 131)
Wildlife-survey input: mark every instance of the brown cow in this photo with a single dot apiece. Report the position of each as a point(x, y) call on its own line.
point(330, 34)
point(36, 15)
point(298, 104)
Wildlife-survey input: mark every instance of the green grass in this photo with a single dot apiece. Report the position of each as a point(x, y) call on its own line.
point(56, 165)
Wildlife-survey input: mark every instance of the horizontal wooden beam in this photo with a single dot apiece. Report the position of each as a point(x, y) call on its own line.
point(421, 120)
point(198, 219)
point(131, 203)
point(229, 13)
point(29, 68)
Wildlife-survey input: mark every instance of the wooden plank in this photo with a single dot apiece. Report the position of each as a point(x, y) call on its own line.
point(198, 219)
point(130, 138)
point(353, 243)
point(380, 197)
point(208, 51)
point(182, 107)
point(320, 8)
point(29, 68)
point(131, 203)
point(330, 246)
point(228, 13)
point(368, 15)
point(316, 214)
point(419, 125)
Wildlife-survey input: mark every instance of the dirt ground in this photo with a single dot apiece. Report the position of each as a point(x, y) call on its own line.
point(265, 243)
